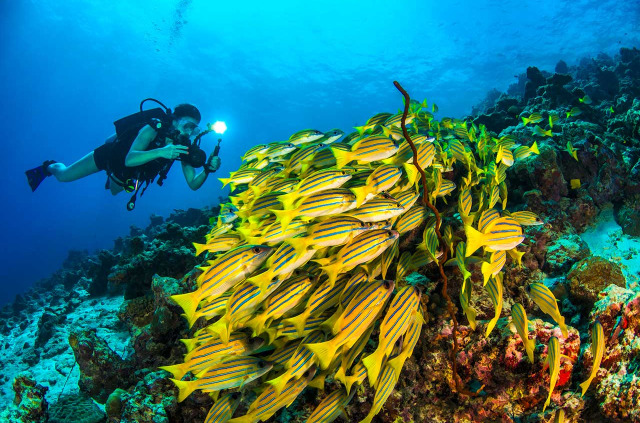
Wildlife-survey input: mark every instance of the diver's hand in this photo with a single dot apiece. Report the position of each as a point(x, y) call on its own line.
point(213, 164)
point(173, 151)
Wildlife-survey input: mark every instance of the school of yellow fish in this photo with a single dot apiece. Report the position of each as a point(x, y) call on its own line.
point(304, 264)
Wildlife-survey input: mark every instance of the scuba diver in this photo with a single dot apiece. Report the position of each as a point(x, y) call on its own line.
point(144, 147)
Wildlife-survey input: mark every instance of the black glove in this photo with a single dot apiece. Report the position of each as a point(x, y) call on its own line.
point(212, 165)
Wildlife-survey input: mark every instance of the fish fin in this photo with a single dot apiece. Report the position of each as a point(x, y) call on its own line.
point(412, 172)
point(486, 272)
point(529, 347)
point(468, 220)
point(546, 403)
point(491, 325)
point(534, 147)
point(324, 352)
point(191, 320)
point(200, 248)
point(585, 385)
point(288, 200)
point(471, 316)
point(298, 322)
point(279, 383)
point(177, 370)
point(563, 327)
point(317, 382)
point(221, 328)
point(322, 261)
point(261, 280)
point(361, 194)
point(299, 244)
point(284, 217)
point(189, 302)
point(475, 240)
point(271, 334)
point(342, 157)
point(254, 220)
point(225, 181)
point(341, 376)
point(185, 388)
point(332, 271)
point(372, 363)
point(396, 364)
point(190, 343)
point(258, 323)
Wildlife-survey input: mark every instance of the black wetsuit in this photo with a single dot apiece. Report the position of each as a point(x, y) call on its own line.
point(110, 157)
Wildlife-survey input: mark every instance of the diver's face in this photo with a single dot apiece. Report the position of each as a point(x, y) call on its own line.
point(187, 126)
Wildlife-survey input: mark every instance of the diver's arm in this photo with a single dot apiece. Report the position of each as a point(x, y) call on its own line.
point(138, 156)
point(194, 181)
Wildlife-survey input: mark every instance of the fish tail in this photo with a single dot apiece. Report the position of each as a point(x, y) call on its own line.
point(258, 323)
point(585, 385)
point(317, 383)
point(299, 244)
point(412, 173)
point(324, 351)
point(261, 281)
point(271, 334)
point(563, 327)
point(287, 200)
point(396, 364)
point(191, 319)
point(221, 328)
point(185, 388)
point(468, 219)
point(475, 240)
point(525, 121)
point(471, 316)
point(486, 272)
point(332, 271)
point(225, 181)
point(284, 217)
point(279, 383)
point(189, 302)
point(298, 322)
point(491, 325)
point(200, 248)
point(529, 346)
point(341, 376)
point(190, 343)
point(534, 147)
point(361, 194)
point(372, 363)
point(177, 370)
point(342, 157)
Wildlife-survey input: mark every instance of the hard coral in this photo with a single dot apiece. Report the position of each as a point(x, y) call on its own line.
point(590, 276)
point(75, 409)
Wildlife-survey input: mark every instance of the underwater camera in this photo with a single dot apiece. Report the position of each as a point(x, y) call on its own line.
point(195, 157)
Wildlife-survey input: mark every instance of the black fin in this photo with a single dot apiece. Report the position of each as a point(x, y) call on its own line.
point(38, 174)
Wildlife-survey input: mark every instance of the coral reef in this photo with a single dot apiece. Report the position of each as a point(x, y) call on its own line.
point(75, 409)
point(123, 293)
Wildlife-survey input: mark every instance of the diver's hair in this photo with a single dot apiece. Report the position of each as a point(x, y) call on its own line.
point(186, 109)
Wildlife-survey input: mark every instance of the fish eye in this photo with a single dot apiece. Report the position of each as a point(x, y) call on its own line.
point(386, 284)
point(306, 374)
point(257, 250)
point(262, 364)
point(344, 173)
point(235, 395)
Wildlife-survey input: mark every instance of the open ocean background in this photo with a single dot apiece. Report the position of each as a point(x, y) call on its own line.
point(69, 69)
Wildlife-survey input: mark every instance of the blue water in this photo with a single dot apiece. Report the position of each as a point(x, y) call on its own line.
point(69, 69)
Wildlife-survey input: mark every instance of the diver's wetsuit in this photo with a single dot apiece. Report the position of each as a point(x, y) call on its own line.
point(110, 157)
